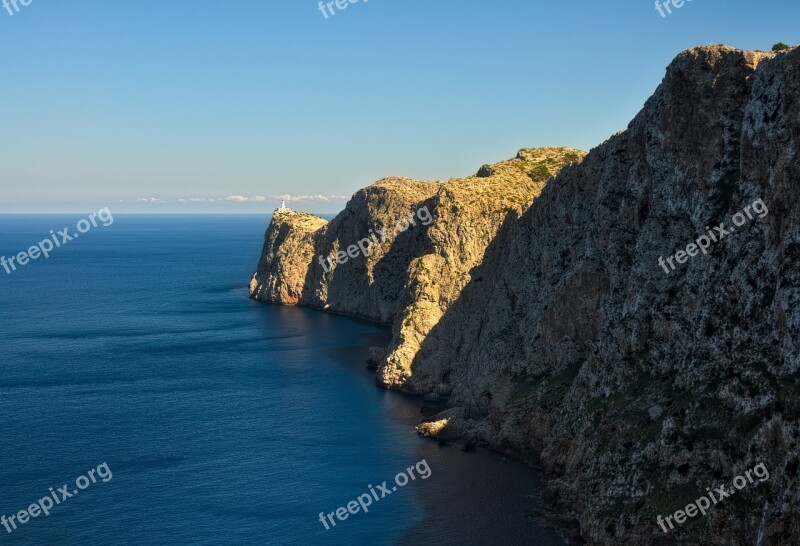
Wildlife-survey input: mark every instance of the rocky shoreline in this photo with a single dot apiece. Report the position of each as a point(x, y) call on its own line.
point(533, 309)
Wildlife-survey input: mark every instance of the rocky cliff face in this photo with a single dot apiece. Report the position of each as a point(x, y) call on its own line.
point(641, 385)
point(421, 239)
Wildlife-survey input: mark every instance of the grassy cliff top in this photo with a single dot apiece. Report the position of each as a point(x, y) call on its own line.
point(299, 220)
point(511, 183)
point(515, 181)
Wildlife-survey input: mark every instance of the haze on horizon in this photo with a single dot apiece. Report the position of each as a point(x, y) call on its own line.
point(231, 107)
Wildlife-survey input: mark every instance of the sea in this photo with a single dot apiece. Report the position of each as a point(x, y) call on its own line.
point(133, 353)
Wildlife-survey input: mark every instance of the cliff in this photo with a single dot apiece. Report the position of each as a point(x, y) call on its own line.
point(424, 238)
point(553, 324)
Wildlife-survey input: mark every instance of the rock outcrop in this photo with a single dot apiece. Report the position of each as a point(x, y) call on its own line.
point(434, 233)
point(549, 324)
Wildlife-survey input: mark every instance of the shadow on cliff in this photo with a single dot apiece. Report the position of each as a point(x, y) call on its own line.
point(440, 361)
point(697, 365)
point(351, 287)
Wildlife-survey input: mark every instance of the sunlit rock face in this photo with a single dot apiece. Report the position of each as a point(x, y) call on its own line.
point(421, 240)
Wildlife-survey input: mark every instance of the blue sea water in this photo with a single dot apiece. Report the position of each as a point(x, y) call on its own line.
point(223, 421)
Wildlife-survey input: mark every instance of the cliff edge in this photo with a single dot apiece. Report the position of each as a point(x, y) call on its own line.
point(401, 251)
point(634, 319)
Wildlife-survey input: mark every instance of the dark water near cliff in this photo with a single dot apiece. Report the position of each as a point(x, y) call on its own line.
point(223, 421)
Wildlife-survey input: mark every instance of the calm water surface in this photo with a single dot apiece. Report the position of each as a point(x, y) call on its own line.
point(224, 421)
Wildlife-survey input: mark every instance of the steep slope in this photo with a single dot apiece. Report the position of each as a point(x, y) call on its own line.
point(643, 386)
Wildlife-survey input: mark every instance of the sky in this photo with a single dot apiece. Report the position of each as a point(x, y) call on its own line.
point(200, 106)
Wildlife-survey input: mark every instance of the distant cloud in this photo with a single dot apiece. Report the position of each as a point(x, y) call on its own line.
point(289, 198)
point(317, 198)
point(243, 199)
point(196, 200)
point(238, 198)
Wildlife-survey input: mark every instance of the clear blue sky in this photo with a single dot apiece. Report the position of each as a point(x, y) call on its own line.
point(106, 102)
